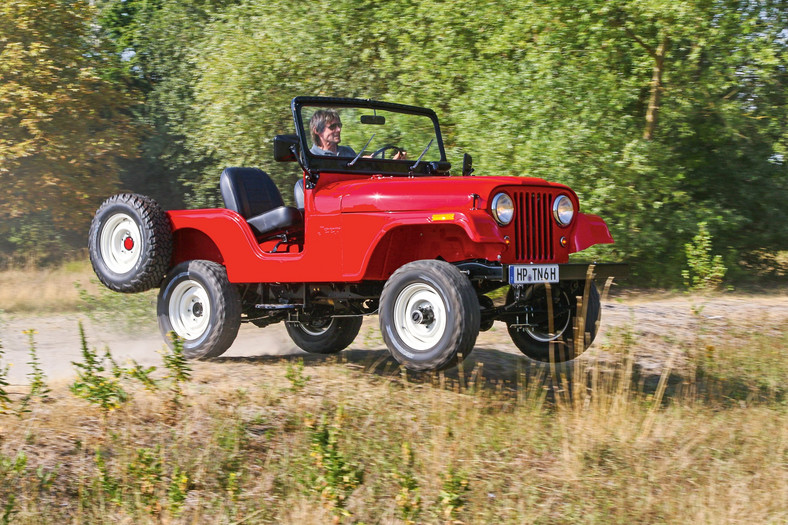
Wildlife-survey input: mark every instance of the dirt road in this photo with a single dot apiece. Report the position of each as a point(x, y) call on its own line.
point(658, 322)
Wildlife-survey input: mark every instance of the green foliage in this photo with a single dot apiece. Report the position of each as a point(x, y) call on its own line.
point(38, 384)
point(452, 495)
point(661, 115)
point(706, 271)
point(178, 370)
point(127, 311)
point(5, 400)
point(295, 374)
point(98, 379)
point(409, 497)
point(334, 477)
point(63, 126)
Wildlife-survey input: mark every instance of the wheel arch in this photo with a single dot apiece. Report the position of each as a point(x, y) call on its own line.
point(406, 243)
point(192, 244)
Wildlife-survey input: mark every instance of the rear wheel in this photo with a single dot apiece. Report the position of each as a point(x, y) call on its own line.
point(130, 243)
point(536, 340)
point(429, 315)
point(202, 307)
point(327, 335)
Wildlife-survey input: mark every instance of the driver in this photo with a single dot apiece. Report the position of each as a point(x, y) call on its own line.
point(326, 130)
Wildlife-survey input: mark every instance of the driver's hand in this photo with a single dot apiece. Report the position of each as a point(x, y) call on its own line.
point(400, 155)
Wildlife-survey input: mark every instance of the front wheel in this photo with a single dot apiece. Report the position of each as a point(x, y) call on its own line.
point(429, 315)
point(199, 304)
point(537, 339)
point(325, 335)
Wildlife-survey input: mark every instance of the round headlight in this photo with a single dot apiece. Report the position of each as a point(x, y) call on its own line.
point(563, 210)
point(502, 209)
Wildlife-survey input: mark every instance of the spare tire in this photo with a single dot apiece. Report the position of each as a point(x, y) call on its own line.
point(130, 243)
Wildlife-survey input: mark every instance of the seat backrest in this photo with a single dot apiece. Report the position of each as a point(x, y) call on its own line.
point(298, 194)
point(249, 191)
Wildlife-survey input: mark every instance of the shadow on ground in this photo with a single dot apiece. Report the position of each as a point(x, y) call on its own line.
point(486, 368)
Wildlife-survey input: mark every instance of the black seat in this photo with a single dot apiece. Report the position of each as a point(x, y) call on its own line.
point(252, 193)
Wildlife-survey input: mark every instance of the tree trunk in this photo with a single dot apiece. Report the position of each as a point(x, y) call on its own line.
point(656, 90)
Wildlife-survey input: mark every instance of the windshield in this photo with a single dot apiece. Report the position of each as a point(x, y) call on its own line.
point(369, 136)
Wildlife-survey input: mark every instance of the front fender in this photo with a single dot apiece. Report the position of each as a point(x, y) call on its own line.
point(589, 230)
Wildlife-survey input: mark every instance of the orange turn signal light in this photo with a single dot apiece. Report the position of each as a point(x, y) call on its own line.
point(443, 217)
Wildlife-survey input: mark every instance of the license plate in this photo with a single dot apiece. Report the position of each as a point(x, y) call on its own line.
point(533, 273)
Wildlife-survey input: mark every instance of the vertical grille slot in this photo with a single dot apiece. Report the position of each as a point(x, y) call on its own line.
point(533, 227)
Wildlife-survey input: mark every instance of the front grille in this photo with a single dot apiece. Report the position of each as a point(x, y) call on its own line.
point(533, 226)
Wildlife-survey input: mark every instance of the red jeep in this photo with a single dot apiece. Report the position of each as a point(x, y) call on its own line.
point(379, 227)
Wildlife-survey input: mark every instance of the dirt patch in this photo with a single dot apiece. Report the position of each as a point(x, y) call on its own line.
point(660, 324)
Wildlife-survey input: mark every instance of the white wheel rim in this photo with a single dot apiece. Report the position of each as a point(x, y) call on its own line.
point(316, 331)
point(546, 337)
point(121, 243)
point(189, 309)
point(417, 300)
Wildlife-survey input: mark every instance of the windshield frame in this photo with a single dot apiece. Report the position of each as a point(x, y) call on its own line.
point(364, 165)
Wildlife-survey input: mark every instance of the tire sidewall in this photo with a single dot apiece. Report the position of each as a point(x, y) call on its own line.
point(444, 352)
point(565, 346)
point(154, 245)
point(222, 326)
point(97, 227)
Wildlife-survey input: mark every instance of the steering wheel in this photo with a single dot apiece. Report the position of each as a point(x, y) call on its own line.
point(382, 151)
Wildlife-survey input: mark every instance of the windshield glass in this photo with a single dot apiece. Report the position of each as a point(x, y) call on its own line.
point(367, 133)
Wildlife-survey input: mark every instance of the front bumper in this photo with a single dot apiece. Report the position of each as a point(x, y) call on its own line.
point(486, 271)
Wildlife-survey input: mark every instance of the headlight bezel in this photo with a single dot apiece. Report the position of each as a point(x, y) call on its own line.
point(560, 215)
point(500, 208)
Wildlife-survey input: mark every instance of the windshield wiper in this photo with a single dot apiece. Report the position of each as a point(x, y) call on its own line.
point(416, 165)
point(349, 164)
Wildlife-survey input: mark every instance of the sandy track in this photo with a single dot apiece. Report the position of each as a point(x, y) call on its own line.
point(657, 322)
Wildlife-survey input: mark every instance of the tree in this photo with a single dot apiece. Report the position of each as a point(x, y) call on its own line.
point(62, 126)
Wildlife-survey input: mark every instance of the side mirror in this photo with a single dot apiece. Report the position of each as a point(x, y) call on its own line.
point(284, 150)
point(467, 165)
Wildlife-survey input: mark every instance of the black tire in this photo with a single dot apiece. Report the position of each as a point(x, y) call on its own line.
point(130, 243)
point(324, 336)
point(429, 315)
point(199, 304)
point(536, 342)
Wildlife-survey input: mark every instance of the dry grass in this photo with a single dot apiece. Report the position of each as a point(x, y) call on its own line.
point(270, 440)
point(27, 290)
point(591, 444)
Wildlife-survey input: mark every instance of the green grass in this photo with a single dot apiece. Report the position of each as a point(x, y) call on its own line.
point(322, 440)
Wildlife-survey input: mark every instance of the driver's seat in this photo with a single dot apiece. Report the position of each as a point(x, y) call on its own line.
point(251, 193)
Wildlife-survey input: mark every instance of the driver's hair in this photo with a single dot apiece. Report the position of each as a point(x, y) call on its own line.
point(318, 122)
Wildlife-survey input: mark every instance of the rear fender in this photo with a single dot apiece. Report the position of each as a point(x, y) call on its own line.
point(218, 235)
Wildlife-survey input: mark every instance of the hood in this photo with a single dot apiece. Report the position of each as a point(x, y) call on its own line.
point(387, 194)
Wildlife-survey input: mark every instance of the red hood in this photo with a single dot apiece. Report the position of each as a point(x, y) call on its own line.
point(385, 194)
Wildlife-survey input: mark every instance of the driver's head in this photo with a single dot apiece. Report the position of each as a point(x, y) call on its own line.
point(325, 127)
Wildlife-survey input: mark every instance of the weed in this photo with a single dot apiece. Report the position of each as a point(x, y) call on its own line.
point(177, 490)
point(705, 271)
point(333, 477)
point(5, 400)
point(94, 383)
point(295, 374)
point(145, 472)
point(9, 510)
point(179, 371)
point(38, 385)
point(408, 498)
point(452, 495)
